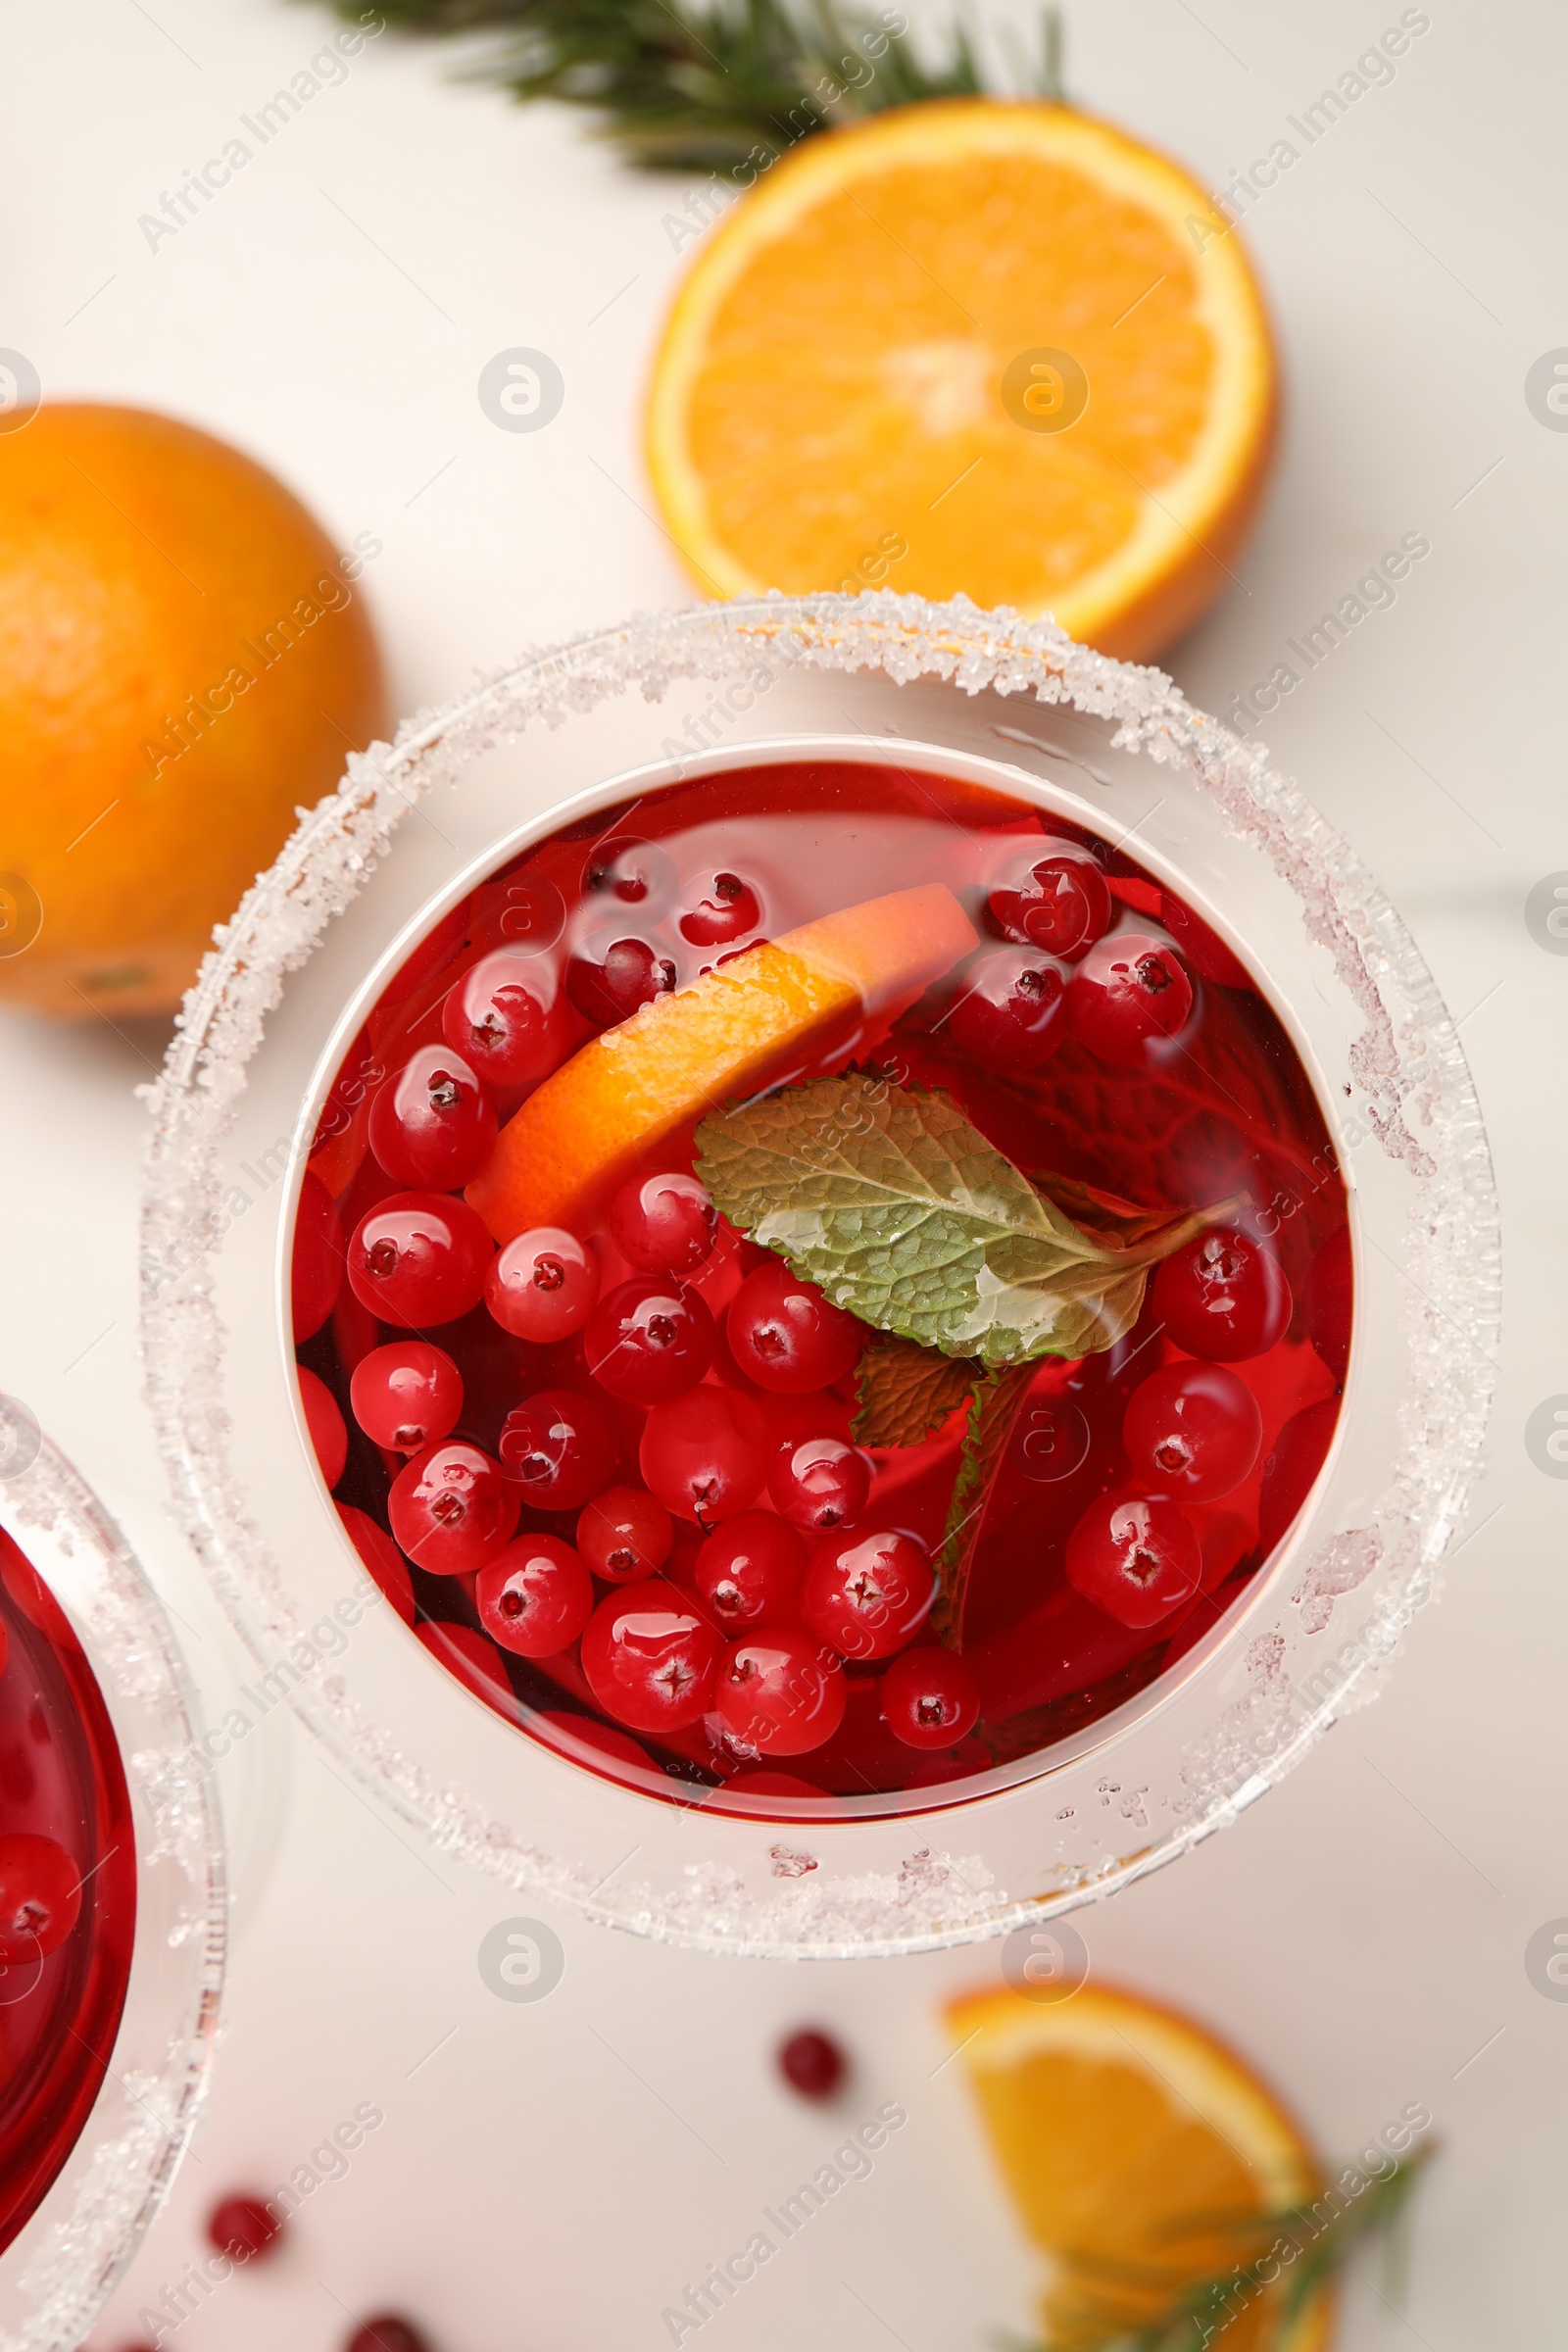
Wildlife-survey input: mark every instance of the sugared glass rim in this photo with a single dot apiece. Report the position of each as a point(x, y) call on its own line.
point(1398, 1063)
point(65, 2261)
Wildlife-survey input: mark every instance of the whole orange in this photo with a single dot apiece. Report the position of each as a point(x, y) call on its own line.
point(184, 659)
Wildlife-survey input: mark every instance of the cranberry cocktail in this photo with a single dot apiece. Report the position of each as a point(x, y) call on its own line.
point(68, 1890)
point(820, 1282)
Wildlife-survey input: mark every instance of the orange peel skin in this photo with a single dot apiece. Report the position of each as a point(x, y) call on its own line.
point(632, 1087)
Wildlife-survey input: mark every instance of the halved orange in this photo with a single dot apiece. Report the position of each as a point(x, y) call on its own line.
point(1125, 2134)
point(970, 345)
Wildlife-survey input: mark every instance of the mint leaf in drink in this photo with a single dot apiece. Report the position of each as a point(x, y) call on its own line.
point(907, 1392)
point(899, 1209)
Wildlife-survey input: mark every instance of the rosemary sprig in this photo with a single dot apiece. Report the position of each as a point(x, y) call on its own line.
point(712, 84)
point(1297, 2252)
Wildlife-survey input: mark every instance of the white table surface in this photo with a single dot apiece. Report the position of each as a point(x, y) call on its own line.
point(555, 2174)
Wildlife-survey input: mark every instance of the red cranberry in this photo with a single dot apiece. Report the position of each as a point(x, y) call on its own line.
point(388, 2333)
point(40, 1897)
point(534, 1598)
point(929, 1699)
point(651, 1656)
point(1326, 1303)
point(812, 2063)
point(1012, 1013)
point(649, 1340)
point(637, 872)
point(382, 1557)
point(405, 1395)
point(542, 1283)
point(1131, 992)
point(316, 1270)
point(665, 1224)
point(1224, 1297)
point(472, 1659)
point(560, 1448)
point(749, 1571)
point(452, 1509)
point(819, 1483)
point(705, 1454)
point(419, 1259)
point(729, 911)
point(243, 2229)
point(1191, 1431)
point(1136, 1560)
point(504, 1016)
point(432, 1125)
point(609, 980)
point(867, 1595)
point(1062, 903)
point(625, 1533)
point(329, 1438)
point(786, 1335)
point(779, 1692)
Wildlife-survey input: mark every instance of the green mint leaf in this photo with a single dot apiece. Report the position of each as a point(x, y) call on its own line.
point(905, 1392)
point(901, 1210)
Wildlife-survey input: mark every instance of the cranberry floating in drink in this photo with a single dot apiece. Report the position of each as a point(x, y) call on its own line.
point(871, 1344)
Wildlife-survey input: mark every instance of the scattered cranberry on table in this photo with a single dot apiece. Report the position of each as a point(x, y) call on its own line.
point(388, 2335)
point(243, 2229)
point(812, 2063)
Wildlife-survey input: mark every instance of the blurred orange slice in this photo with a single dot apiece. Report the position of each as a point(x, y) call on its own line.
point(1124, 2133)
point(970, 345)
